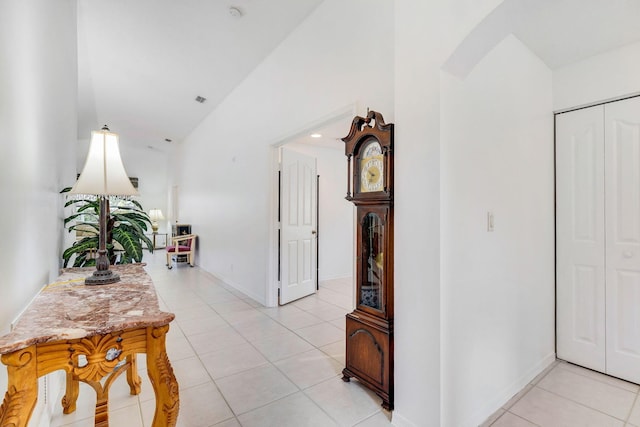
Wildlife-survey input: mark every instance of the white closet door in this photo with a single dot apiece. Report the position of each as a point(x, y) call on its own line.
point(622, 177)
point(580, 237)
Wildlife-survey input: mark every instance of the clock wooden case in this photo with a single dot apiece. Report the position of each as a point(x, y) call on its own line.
point(369, 328)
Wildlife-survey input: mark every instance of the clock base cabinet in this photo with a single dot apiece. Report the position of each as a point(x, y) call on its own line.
point(369, 354)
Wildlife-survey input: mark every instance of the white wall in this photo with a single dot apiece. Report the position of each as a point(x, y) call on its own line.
point(417, 221)
point(391, 64)
point(341, 55)
point(497, 287)
point(598, 78)
point(426, 34)
point(335, 222)
point(384, 55)
point(37, 140)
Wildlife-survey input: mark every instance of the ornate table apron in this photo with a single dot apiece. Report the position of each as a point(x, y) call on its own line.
point(90, 359)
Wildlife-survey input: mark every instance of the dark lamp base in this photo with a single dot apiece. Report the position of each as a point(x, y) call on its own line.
point(105, 277)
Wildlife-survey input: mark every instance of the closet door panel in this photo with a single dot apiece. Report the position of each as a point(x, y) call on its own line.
point(622, 177)
point(580, 237)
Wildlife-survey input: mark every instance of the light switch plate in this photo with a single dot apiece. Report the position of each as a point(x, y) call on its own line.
point(490, 221)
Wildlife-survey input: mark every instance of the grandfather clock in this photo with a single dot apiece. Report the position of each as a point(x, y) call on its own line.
point(369, 353)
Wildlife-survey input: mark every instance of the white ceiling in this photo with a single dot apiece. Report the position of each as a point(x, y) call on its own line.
point(330, 134)
point(560, 32)
point(141, 63)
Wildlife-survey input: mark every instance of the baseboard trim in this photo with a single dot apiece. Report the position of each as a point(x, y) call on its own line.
point(398, 420)
point(230, 283)
point(345, 276)
point(508, 392)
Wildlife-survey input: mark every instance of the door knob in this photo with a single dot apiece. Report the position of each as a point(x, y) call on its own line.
point(314, 232)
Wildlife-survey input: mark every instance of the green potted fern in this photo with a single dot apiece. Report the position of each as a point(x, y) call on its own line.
point(126, 227)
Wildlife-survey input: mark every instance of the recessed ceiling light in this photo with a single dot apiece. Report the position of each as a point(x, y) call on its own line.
point(200, 99)
point(316, 135)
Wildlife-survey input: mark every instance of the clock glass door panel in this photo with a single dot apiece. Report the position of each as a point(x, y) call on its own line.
point(372, 261)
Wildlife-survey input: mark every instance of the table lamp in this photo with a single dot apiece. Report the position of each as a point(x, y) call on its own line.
point(155, 215)
point(103, 175)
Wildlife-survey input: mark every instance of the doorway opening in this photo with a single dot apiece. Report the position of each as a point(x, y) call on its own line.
point(333, 227)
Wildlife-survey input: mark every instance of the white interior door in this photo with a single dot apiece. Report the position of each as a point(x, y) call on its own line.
point(622, 169)
point(580, 234)
point(298, 226)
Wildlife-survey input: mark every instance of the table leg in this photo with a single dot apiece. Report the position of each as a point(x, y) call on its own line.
point(133, 378)
point(71, 395)
point(101, 418)
point(22, 388)
point(162, 378)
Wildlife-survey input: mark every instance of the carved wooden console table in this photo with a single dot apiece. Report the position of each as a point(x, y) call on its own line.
point(91, 332)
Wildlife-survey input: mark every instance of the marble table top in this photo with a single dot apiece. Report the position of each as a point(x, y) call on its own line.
point(68, 309)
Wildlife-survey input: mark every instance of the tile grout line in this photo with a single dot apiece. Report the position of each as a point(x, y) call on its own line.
point(203, 365)
point(632, 406)
point(579, 403)
point(559, 366)
point(299, 390)
point(597, 379)
point(549, 369)
point(268, 362)
point(521, 417)
point(213, 380)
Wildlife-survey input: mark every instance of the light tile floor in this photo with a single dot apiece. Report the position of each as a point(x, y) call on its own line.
point(572, 396)
point(241, 364)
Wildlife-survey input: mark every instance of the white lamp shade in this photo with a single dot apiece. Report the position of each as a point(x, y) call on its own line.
point(155, 214)
point(103, 173)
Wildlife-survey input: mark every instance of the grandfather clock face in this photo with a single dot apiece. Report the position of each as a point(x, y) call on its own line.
point(371, 168)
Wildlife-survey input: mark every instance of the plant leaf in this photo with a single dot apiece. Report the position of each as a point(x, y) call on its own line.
point(134, 220)
point(80, 248)
point(130, 243)
point(138, 205)
point(147, 241)
point(95, 206)
point(85, 227)
point(125, 258)
point(74, 201)
point(80, 260)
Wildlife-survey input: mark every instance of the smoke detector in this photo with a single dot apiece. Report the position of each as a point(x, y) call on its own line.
point(235, 12)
